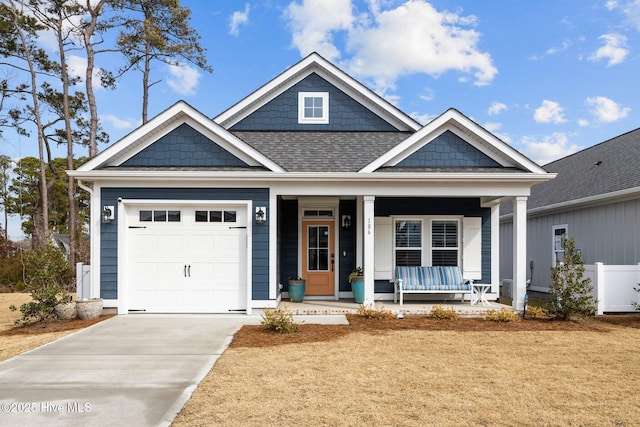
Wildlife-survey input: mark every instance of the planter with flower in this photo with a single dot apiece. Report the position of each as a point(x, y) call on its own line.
point(356, 278)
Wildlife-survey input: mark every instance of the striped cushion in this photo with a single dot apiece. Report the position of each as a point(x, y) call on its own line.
point(432, 278)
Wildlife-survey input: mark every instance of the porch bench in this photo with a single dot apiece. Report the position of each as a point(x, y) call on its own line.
point(430, 280)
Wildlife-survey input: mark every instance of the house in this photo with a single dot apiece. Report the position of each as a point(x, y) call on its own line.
point(595, 199)
point(310, 175)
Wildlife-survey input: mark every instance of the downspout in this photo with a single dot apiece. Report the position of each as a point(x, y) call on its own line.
point(91, 251)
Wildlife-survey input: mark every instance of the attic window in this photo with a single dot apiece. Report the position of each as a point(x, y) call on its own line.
point(313, 107)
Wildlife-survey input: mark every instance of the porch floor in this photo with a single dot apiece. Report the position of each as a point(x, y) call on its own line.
point(345, 306)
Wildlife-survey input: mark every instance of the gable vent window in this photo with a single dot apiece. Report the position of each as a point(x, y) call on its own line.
point(313, 107)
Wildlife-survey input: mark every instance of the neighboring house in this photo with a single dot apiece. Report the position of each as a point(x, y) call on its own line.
point(595, 199)
point(311, 175)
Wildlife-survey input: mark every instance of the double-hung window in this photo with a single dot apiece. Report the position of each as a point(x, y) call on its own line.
point(408, 243)
point(559, 233)
point(445, 248)
point(313, 107)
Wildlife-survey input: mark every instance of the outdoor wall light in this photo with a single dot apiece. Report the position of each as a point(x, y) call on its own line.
point(261, 215)
point(346, 221)
point(108, 214)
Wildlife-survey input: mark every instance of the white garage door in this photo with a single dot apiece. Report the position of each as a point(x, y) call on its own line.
point(186, 259)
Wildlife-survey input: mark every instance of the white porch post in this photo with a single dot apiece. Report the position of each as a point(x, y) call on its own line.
point(519, 252)
point(495, 248)
point(369, 249)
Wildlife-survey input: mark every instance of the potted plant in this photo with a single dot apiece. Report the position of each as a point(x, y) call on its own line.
point(66, 308)
point(89, 308)
point(356, 278)
point(296, 288)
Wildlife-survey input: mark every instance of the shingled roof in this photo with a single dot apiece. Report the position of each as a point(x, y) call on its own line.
point(608, 167)
point(322, 151)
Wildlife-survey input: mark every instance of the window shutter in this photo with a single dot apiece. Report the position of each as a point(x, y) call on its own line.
point(472, 248)
point(383, 253)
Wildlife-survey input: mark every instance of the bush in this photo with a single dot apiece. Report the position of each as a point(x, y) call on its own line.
point(11, 270)
point(536, 312)
point(279, 320)
point(46, 265)
point(571, 294)
point(503, 315)
point(441, 313)
point(45, 298)
point(371, 311)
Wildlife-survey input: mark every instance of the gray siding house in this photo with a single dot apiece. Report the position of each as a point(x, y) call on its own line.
point(310, 175)
point(594, 199)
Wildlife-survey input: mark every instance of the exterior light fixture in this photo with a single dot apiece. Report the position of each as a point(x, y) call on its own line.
point(346, 221)
point(261, 215)
point(108, 214)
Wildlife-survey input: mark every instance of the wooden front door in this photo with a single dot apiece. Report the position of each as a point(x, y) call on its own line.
point(318, 258)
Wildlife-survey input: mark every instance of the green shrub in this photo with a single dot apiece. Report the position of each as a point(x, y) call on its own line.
point(442, 313)
point(46, 265)
point(45, 298)
point(503, 315)
point(371, 311)
point(279, 320)
point(11, 274)
point(571, 293)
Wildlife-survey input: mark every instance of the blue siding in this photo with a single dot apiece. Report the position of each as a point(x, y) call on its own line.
point(386, 206)
point(345, 114)
point(109, 232)
point(448, 150)
point(184, 146)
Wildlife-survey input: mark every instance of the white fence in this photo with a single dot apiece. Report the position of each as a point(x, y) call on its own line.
point(83, 281)
point(613, 286)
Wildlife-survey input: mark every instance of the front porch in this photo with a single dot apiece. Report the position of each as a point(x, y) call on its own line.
point(347, 306)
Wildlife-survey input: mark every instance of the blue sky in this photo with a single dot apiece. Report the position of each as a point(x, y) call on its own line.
point(548, 77)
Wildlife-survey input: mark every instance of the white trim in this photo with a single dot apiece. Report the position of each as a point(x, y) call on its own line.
point(315, 63)
point(457, 122)
point(302, 97)
point(495, 248)
point(165, 122)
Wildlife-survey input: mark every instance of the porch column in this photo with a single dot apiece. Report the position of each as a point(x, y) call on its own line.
point(519, 251)
point(495, 248)
point(369, 248)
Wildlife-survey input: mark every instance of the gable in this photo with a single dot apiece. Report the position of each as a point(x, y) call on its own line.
point(448, 150)
point(281, 113)
point(184, 147)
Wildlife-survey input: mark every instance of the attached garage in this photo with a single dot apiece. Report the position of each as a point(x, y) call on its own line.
point(184, 257)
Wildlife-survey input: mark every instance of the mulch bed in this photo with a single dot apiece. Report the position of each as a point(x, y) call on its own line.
point(53, 325)
point(257, 336)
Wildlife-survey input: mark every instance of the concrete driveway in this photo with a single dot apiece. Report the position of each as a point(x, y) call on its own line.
point(128, 370)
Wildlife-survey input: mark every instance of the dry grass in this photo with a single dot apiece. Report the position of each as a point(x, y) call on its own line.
point(418, 372)
point(15, 340)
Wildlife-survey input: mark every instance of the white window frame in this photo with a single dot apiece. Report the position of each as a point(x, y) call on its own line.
point(458, 247)
point(426, 249)
point(554, 250)
point(325, 108)
point(413, 248)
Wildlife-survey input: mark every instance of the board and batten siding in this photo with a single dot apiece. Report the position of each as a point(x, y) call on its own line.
point(109, 232)
point(608, 233)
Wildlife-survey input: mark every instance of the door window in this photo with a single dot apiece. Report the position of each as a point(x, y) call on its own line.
point(318, 248)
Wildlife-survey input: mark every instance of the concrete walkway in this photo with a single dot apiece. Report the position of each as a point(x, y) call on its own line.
point(136, 370)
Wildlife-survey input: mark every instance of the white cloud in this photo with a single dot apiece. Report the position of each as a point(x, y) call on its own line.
point(386, 44)
point(565, 45)
point(632, 10)
point(606, 110)
point(611, 4)
point(494, 127)
point(313, 23)
point(239, 18)
point(118, 123)
point(496, 108)
point(423, 119)
point(614, 49)
point(183, 79)
point(583, 122)
point(549, 148)
point(77, 67)
point(549, 112)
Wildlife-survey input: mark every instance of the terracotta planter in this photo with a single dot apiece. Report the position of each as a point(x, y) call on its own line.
point(66, 310)
point(89, 308)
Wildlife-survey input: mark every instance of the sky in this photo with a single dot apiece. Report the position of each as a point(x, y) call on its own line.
point(549, 77)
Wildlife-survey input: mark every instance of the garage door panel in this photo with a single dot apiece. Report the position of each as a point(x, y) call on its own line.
point(187, 266)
